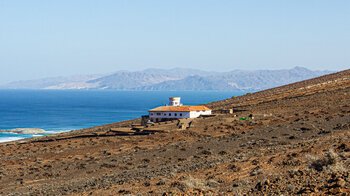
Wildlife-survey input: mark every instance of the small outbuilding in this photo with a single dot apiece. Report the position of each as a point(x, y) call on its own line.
point(176, 110)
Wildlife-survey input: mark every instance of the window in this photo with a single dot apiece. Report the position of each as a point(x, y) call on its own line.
point(175, 114)
point(158, 114)
point(164, 114)
point(151, 113)
point(180, 114)
point(169, 114)
point(203, 110)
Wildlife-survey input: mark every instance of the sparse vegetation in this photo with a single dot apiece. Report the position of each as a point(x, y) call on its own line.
point(193, 183)
point(330, 161)
point(230, 157)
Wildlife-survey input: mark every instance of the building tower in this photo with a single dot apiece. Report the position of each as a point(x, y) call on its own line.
point(174, 101)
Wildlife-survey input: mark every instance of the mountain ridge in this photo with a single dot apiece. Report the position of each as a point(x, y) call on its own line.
point(173, 79)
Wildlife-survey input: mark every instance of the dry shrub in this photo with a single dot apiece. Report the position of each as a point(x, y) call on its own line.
point(193, 183)
point(330, 161)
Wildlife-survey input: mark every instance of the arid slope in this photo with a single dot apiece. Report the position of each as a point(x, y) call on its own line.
point(297, 143)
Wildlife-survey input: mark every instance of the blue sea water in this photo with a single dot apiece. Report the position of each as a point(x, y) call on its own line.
point(64, 110)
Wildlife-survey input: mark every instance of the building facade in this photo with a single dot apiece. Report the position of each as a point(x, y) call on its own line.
point(176, 110)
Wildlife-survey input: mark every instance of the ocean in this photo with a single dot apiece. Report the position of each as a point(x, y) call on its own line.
point(65, 110)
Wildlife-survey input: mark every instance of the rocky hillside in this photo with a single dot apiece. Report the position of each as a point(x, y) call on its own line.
point(298, 142)
point(174, 79)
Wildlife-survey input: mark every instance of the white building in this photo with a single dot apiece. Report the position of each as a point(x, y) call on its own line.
point(176, 110)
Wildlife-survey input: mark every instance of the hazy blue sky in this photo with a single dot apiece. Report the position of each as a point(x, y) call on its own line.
point(65, 37)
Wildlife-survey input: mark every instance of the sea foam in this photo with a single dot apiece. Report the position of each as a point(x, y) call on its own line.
point(9, 139)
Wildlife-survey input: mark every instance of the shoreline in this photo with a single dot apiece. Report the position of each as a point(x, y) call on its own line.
point(217, 155)
point(66, 111)
point(11, 135)
point(71, 133)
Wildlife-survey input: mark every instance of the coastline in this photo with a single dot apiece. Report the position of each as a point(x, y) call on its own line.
point(72, 133)
point(218, 154)
point(68, 110)
point(11, 135)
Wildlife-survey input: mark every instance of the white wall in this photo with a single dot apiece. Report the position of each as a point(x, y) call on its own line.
point(192, 114)
point(195, 114)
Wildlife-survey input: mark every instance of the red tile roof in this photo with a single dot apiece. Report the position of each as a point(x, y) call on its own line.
point(184, 108)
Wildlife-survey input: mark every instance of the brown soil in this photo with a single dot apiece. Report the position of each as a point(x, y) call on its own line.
point(297, 143)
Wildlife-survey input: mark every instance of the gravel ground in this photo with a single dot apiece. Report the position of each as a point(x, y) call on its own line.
point(297, 143)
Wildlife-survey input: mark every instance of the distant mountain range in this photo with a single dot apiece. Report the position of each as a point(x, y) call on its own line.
point(173, 79)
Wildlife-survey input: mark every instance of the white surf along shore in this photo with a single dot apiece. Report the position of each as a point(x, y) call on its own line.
point(25, 131)
point(22, 133)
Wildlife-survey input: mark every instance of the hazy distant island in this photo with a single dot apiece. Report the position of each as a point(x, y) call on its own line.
point(173, 79)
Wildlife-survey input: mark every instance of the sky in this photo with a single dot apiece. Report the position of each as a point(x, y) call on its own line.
point(59, 38)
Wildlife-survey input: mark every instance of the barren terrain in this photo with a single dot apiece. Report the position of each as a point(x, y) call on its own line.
point(296, 143)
